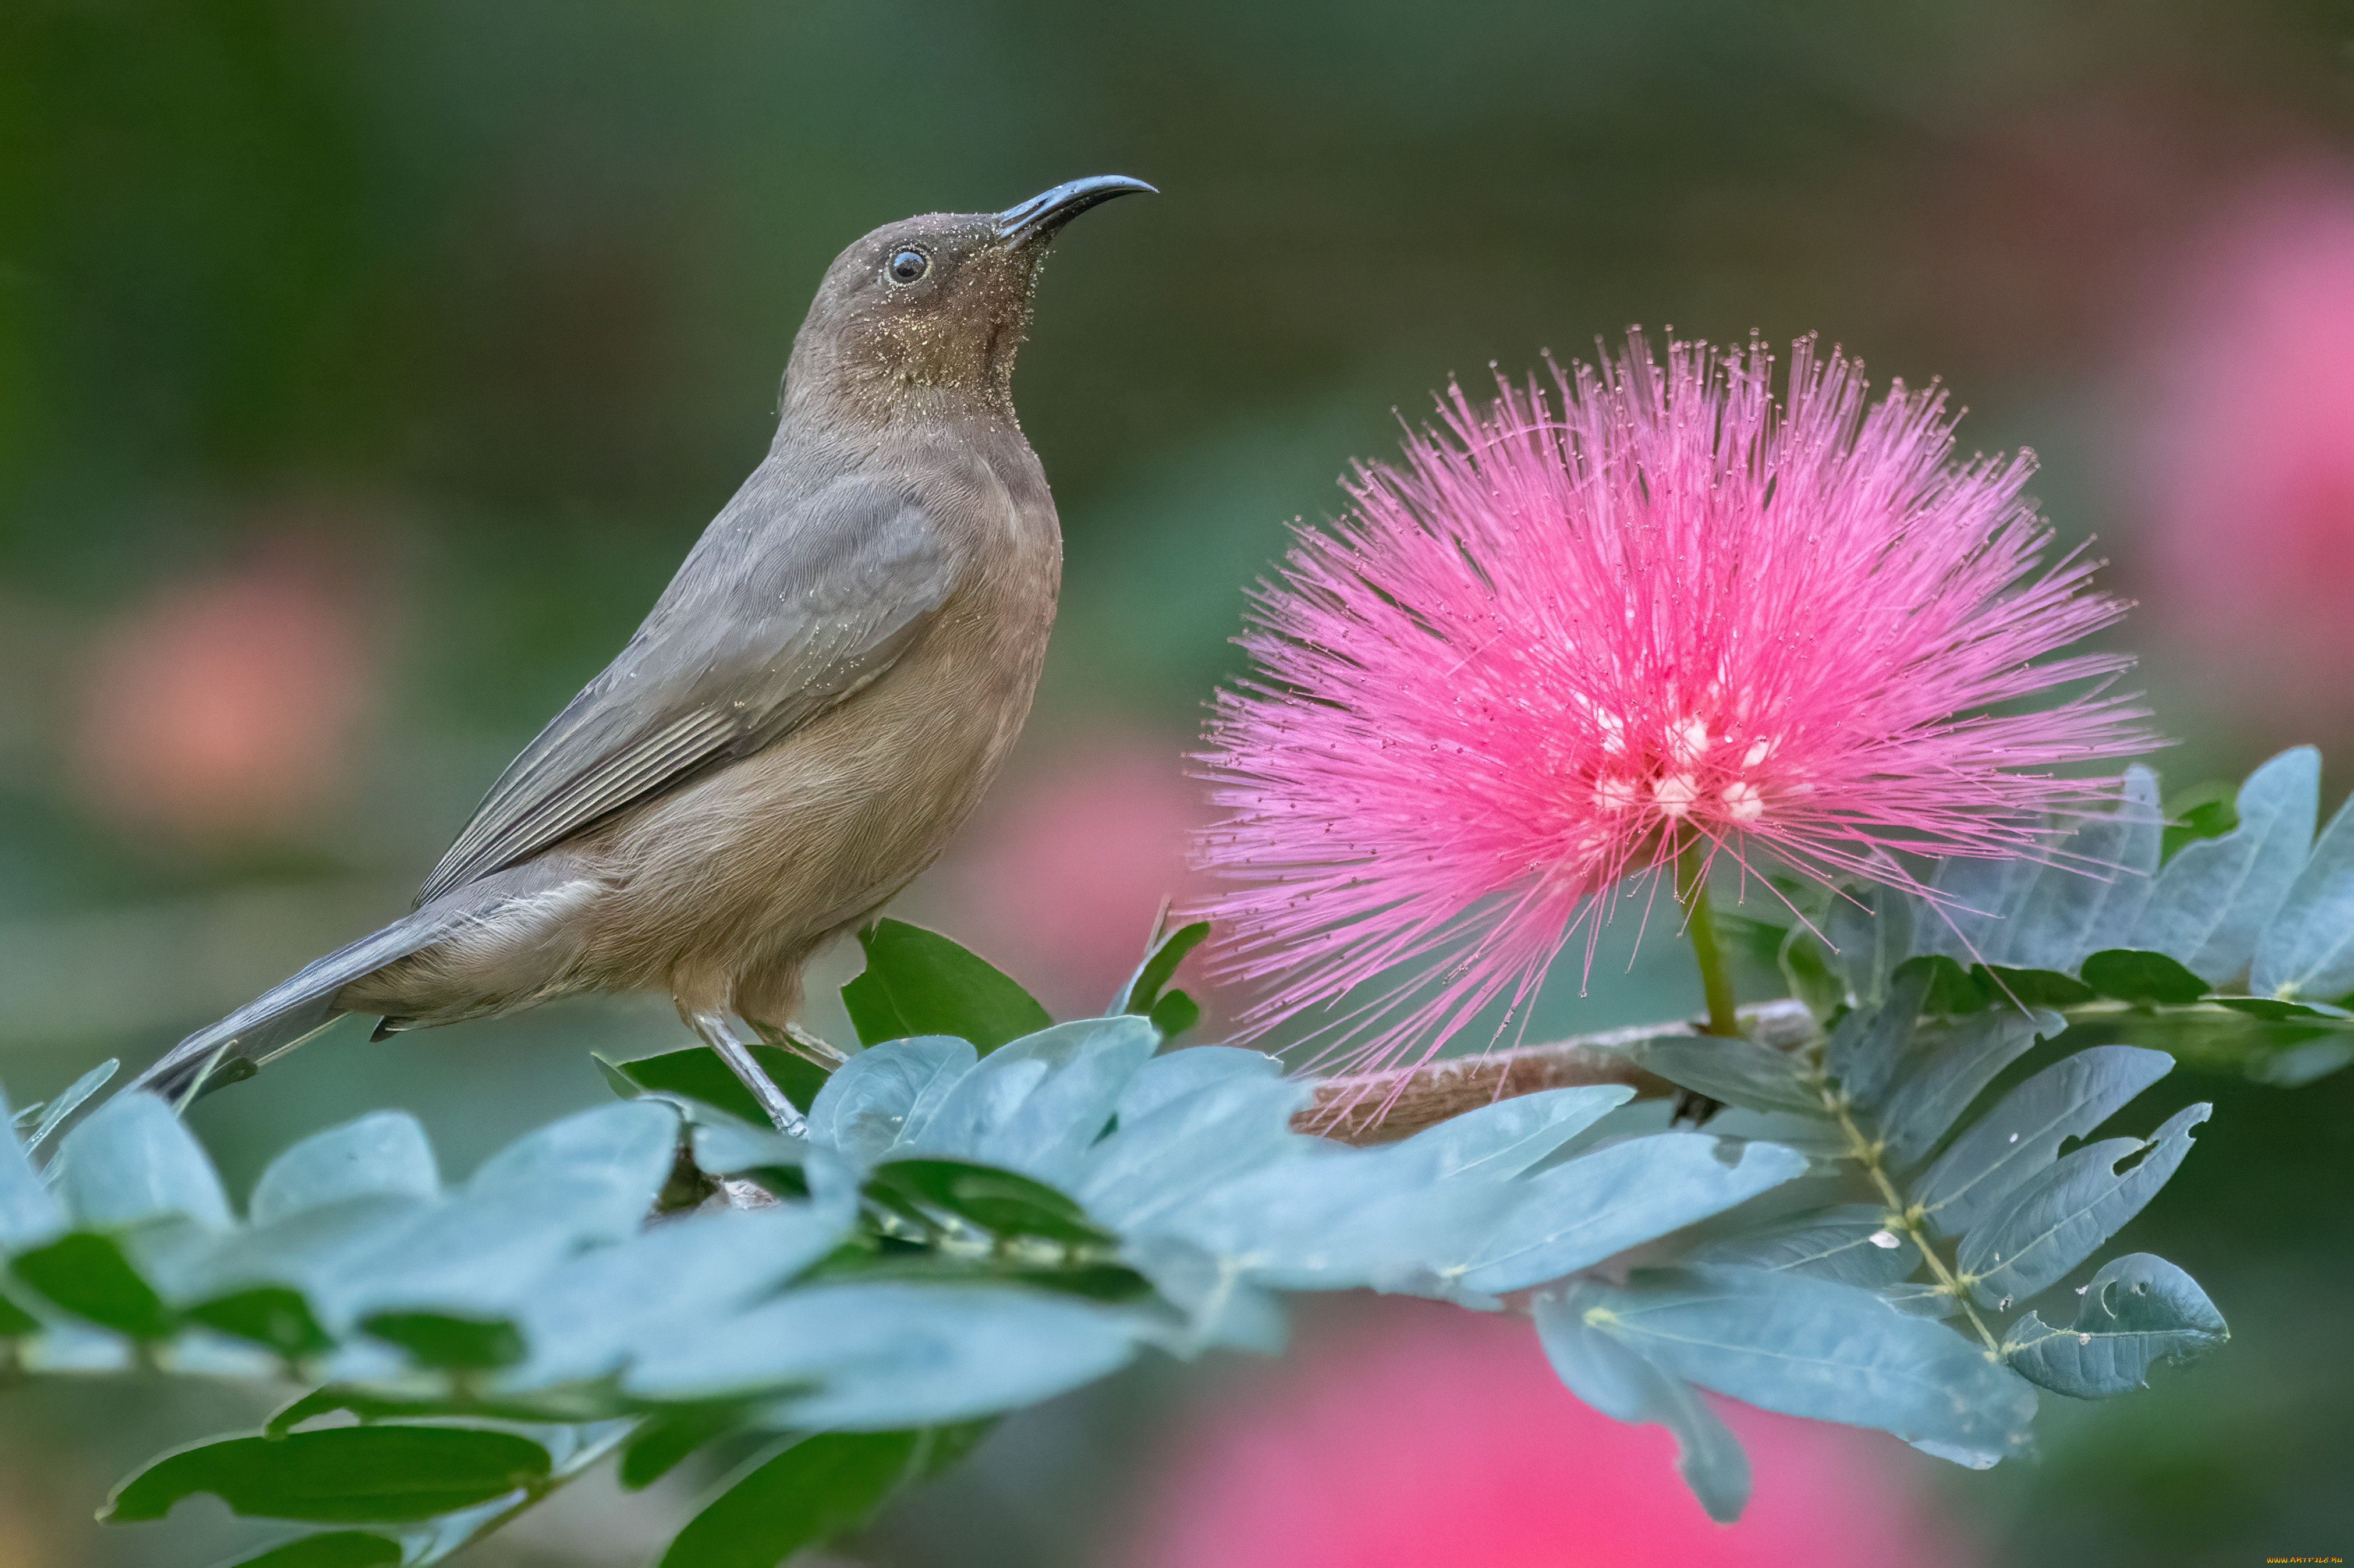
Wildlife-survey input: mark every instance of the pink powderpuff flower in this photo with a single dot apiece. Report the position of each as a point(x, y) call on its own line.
point(1420, 1436)
point(1586, 630)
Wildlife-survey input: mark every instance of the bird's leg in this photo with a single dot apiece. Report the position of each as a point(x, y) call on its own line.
point(712, 1027)
point(801, 1043)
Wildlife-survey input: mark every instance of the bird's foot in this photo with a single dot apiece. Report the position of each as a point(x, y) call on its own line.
point(717, 1033)
point(801, 1043)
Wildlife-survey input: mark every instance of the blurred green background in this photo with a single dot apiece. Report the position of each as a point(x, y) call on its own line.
point(366, 369)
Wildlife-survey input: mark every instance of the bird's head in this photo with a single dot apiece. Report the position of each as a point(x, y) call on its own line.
point(927, 312)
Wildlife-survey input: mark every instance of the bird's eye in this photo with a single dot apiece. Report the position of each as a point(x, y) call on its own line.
point(908, 266)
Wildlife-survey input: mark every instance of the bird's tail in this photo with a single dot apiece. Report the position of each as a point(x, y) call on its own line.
point(289, 1012)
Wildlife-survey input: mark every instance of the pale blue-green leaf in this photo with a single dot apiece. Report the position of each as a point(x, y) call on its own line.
point(1737, 1072)
point(384, 1151)
point(1222, 1307)
point(1921, 1298)
point(725, 1146)
point(30, 1212)
point(1611, 1377)
point(1867, 1046)
point(1155, 1164)
point(2016, 1141)
point(66, 1347)
point(1581, 1212)
point(55, 1113)
point(1342, 1218)
point(1043, 1133)
point(2088, 895)
point(877, 1357)
point(132, 1161)
point(2139, 1311)
point(2216, 896)
point(1869, 928)
point(608, 1165)
point(1813, 1348)
point(2301, 1065)
point(598, 1310)
point(1855, 1244)
point(1178, 1073)
point(310, 1251)
point(1968, 918)
point(2307, 949)
point(1955, 1060)
point(2055, 1222)
point(1497, 1141)
point(866, 1105)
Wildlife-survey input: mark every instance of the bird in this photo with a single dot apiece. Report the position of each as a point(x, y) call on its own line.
point(812, 707)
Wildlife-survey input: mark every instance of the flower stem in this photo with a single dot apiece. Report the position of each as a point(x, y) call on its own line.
point(1715, 979)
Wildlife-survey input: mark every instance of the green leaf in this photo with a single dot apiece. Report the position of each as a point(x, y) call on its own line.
point(2214, 899)
point(88, 1275)
point(809, 1493)
point(2031, 987)
point(2139, 1311)
point(1811, 1347)
point(444, 1340)
point(384, 1151)
point(2150, 978)
point(2016, 1141)
point(1806, 968)
point(918, 983)
point(1620, 1383)
point(1869, 930)
point(66, 1104)
point(697, 1073)
point(2055, 1222)
point(344, 1475)
point(1144, 987)
point(664, 1439)
point(335, 1549)
point(2306, 950)
point(2201, 811)
point(1175, 1013)
point(268, 1315)
point(999, 1202)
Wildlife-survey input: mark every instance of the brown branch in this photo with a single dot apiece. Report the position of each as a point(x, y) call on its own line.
point(1374, 1107)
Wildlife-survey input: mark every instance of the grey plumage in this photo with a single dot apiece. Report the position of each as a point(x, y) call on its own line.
point(813, 705)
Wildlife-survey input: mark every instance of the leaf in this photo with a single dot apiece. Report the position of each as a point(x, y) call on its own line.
point(1621, 1385)
point(608, 1165)
point(1866, 1047)
point(1949, 1064)
point(2301, 1065)
point(873, 1099)
point(1736, 1072)
point(2057, 1221)
point(1577, 1214)
point(2307, 949)
point(2093, 889)
point(1811, 1347)
point(132, 1161)
point(1855, 1244)
point(807, 1495)
point(1496, 1142)
point(1169, 1153)
point(66, 1104)
point(448, 1341)
point(384, 1151)
point(2031, 987)
point(2137, 1312)
point(1175, 1074)
point(335, 1549)
point(1806, 968)
point(29, 1214)
point(1175, 1013)
point(2016, 1141)
point(344, 1475)
point(697, 1073)
point(2201, 811)
point(877, 1356)
point(918, 983)
point(2215, 898)
point(1869, 930)
point(663, 1440)
point(88, 1276)
point(14, 1321)
point(1001, 1202)
point(2151, 978)
point(1144, 987)
point(267, 1315)
point(1037, 1103)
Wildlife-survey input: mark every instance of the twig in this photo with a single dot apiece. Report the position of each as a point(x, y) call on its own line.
point(1374, 1107)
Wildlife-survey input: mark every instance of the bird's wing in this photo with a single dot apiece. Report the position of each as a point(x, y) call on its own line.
point(785, 608)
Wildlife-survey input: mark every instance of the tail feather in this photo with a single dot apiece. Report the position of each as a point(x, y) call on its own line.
point(289, 1012)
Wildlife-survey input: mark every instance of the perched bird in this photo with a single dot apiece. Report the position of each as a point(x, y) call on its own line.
point(814, 706)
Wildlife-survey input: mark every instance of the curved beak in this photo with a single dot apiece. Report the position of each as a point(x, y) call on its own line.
point(1037, 219)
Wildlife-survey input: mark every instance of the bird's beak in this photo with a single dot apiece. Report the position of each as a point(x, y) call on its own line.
point(1036, 220)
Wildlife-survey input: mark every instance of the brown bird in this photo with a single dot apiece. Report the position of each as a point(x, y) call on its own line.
point(814, 706)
